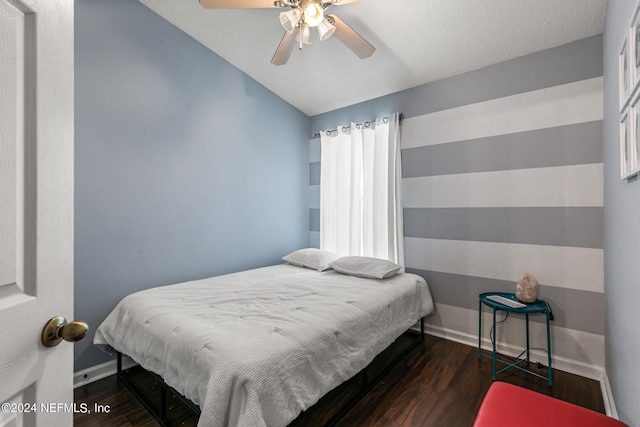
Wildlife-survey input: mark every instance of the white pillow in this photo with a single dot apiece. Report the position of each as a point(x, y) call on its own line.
point(372, 268)
point(311, 258)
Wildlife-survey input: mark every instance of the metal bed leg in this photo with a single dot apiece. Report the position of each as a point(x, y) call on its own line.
point(122, 377)
point(163, 403)
point(370, 384)
point(365, 378)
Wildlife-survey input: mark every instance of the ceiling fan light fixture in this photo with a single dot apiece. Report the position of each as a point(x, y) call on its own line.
point(325, 29)
point(304, 35)
point(289, 20)
point(313, 14)
point(297, 18)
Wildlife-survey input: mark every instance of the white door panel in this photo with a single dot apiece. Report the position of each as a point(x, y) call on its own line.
point(36, 208)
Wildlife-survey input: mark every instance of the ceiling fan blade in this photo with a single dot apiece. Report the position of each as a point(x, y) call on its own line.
point(351, 38)
point(284, 49)
point(339, 2)
point(237, 4)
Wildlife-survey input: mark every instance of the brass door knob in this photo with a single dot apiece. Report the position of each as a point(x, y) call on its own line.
point(57, 329)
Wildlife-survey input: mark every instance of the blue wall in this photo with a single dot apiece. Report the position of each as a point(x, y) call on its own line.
point(185, 167)
point(621, 232)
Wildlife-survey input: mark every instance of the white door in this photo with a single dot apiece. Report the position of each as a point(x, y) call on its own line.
point(36, 209)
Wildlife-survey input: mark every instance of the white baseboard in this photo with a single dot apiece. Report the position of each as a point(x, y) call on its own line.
point(99, 372)
point(558, 362)
point(607, 396)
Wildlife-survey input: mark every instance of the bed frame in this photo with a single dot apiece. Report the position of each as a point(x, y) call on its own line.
point(161, 415)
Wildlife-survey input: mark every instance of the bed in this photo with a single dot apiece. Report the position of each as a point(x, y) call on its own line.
point(256, 348)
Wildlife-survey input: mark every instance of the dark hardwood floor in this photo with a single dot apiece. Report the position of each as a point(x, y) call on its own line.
point(439, 383)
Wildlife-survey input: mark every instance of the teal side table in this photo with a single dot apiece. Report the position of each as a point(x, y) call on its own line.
point(538, 306)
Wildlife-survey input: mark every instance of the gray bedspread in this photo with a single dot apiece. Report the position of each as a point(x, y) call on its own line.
point(258, 347)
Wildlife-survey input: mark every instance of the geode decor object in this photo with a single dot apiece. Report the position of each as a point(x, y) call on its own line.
point(527, 288)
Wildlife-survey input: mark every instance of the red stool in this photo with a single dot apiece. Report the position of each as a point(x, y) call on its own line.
point(511, 406)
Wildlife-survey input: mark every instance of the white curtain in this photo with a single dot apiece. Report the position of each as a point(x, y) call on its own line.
point(360, 186)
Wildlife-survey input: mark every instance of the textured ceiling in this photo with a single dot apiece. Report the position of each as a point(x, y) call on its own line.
point(417, 41)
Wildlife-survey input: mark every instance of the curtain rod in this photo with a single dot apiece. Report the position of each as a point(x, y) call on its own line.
point(344, 128)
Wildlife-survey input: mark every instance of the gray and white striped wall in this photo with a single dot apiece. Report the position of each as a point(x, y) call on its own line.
point(505, 181)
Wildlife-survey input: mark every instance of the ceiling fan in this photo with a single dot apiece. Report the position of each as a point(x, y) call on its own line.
point(298, 21)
